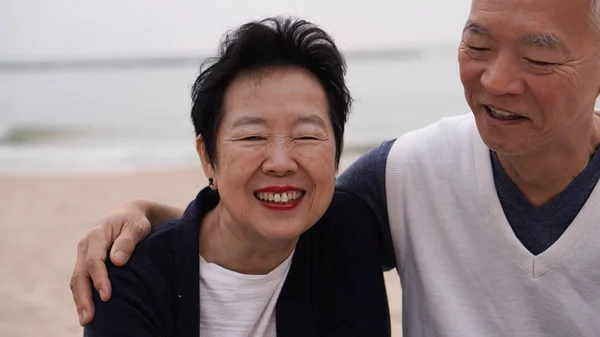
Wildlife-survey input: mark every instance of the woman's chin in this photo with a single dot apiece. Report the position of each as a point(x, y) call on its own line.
point(279, 231)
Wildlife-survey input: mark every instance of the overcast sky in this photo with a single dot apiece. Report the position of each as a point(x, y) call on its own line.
point(70, 29)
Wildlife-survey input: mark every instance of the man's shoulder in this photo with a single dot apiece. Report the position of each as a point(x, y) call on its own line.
point(436, 140)
point(367, 169)
point(448, 128)
point(439, 135)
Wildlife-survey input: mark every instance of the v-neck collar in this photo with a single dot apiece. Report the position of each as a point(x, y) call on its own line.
point(558, 203)
point(532, 265)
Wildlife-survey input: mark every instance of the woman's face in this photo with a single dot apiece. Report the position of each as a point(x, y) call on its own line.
point(275, 166)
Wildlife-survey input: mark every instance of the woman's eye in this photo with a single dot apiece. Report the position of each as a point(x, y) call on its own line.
point(306, 138)
point(253, 138)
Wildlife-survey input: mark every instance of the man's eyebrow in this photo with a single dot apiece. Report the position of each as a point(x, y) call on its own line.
point(244, 121)
point(537, 40)
point(312, 119)
point(475, 28)
point(546, 41)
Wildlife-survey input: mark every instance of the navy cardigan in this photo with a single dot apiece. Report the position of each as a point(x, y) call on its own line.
point(335, 285)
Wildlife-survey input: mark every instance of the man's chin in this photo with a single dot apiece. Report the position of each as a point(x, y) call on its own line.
point(506, 147)
point(503, 141)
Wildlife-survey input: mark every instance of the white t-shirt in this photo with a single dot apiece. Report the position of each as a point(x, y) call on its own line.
point(234, 304)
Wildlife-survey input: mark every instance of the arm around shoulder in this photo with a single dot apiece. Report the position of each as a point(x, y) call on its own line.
point(360, 305)
point(365, 179)
point(138, 306)
point(158, 213)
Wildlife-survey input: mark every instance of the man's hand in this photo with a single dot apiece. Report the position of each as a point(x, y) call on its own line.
point(122, 229)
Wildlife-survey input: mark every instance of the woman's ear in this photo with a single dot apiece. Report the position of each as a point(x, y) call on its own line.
point(207, 165)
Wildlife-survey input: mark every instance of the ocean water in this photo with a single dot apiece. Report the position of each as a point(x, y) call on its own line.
point(126, 117)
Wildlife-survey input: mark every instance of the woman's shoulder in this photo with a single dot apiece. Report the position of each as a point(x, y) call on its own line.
point(348, 211)
point(143, 286)
point(175, 239)
point(346, 224)
point(152, 258)
point(159, 280)
point(161, 237)
point(157, 258)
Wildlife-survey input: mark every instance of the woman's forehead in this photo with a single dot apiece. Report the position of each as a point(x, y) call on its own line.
point(291, 96)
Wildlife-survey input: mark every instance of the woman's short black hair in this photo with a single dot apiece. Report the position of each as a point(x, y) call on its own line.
point(272, 42)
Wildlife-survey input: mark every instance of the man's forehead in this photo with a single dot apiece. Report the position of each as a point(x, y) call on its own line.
point(530, 4)
point(545, 10)
point(530, 38)
point(552, 24)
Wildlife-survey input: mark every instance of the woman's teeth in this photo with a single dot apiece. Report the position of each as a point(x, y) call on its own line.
point(279, 197)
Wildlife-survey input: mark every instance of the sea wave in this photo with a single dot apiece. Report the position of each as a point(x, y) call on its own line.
point(4, 132)
point(30, 134)
point(72, 159)
point(48, 149)
point(26, 152)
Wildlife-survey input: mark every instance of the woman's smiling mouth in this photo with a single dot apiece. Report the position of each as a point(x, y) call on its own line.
point(279, 197)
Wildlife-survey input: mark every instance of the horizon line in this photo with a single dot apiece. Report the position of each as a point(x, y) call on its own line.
point(174, 61)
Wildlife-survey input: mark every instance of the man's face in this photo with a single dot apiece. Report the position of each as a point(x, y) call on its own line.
point(530, 71)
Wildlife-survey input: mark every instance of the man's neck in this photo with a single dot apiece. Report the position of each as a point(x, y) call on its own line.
point(542, 175)
point(227, 244)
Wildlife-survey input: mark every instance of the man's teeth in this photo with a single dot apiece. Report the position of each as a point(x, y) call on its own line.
point(280, 197)
point(502, 114)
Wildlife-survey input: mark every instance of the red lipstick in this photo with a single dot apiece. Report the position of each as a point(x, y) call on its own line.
point(281, 207)
point(277, 206)
point(278, 189)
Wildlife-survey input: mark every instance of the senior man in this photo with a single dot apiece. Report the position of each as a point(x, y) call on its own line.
point(492, 218)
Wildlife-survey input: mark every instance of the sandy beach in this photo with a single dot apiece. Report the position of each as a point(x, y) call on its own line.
point(43, 217)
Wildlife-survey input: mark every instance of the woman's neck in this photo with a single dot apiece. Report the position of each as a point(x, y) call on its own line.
point(237, 248)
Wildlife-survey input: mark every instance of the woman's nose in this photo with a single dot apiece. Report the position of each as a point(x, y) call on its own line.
point(279, 159)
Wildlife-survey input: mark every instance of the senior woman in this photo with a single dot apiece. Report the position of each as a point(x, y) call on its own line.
point(258, 252)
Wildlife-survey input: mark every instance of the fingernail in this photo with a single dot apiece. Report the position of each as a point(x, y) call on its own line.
point(101, 292)
point(83, 316)
point(120, 255)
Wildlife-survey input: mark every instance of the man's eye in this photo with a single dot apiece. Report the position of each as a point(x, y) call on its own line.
point(539, 63)
point(476, 48)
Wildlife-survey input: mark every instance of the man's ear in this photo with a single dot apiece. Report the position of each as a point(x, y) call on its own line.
point(207, 165)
